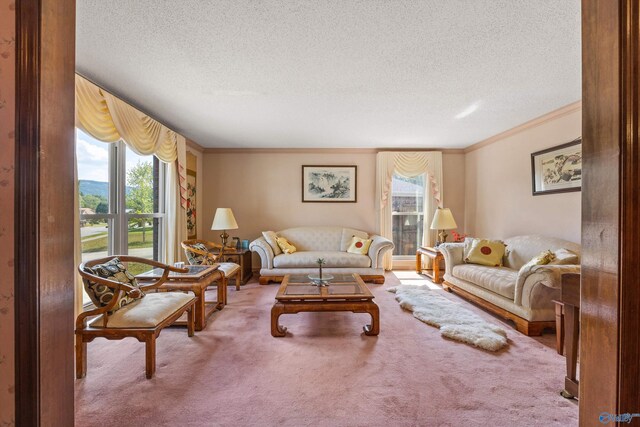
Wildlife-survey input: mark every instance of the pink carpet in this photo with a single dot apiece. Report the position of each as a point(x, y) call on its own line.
point(325, 372)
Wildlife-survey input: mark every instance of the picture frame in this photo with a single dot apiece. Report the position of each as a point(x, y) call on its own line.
point(557, 169)
point(329, 183)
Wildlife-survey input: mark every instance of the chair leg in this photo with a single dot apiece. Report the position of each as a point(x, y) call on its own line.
point(190, 321)
point(238, 281)
point(150, 355)
point(81, 357)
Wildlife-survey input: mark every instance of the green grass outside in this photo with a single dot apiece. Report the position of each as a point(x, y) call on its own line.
point(92, 244)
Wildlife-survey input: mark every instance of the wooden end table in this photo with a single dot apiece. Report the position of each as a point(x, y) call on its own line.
point(242, 257)
point(346, 292)
point(436, 256)
point(197, 283)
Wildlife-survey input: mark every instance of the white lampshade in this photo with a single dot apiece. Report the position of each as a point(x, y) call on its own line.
point(224, 220)
point(443, 220)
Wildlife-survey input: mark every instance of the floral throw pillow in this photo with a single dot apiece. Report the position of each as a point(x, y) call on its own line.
point(197, 259)
point(100, 294)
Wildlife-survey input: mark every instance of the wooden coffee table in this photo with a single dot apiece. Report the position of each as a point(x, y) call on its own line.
point(346, 292)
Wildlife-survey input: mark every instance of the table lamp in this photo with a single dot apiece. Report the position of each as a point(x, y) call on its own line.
point(443, 220)
point(224, 220)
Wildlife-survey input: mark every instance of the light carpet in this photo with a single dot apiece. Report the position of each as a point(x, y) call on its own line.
point(454, 321)
point(325, 372)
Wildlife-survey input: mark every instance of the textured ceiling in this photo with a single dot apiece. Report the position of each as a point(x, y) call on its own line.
point(335, 73)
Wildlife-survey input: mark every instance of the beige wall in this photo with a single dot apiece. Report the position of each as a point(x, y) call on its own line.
point(7, 187)
point(264, 191)
point(498, 199)
point(453, 173)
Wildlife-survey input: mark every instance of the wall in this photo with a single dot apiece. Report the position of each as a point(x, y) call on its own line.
point(264, 190)
point(498, 199)
point(7, 187)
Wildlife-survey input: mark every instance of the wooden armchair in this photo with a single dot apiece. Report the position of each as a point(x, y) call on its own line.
point(142, 319)
point(203, 252)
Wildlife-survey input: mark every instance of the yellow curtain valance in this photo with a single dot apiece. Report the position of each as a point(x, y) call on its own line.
point(109, 119)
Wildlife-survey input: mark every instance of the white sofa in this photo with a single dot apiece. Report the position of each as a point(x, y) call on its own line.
point(523, 295)
point(329, 243)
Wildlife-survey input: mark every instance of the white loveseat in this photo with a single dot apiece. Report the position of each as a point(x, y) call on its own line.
point(329, 243)
point(523, 295)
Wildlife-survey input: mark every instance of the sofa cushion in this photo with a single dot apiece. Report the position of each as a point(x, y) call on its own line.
point(197, 259)
point(101, 295)
point(307, 259)
point(348, 234)
point(146, 313)
point(500, 280)
point(286, 246)
point(522, 248)
point(272, 240)
point(314, 238)
point(565, 256)
point(486, 252)
point(359, 246)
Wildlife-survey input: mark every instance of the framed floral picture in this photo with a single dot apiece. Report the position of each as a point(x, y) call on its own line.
point(192, 232)
point(557, 169)
point(336, 184)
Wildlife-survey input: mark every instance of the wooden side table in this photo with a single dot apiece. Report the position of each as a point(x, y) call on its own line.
point(242, 257)
point(436, 256)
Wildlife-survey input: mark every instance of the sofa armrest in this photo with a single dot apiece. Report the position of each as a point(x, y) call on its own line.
point(263, 249)
point(537, 285)
point(379, 246)
point(453, 254)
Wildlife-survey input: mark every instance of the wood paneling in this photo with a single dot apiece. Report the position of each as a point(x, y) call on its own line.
point(610, 210)
point(44, 211)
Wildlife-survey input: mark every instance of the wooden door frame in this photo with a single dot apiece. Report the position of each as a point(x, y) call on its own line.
point(44, 266)
point(610, 292)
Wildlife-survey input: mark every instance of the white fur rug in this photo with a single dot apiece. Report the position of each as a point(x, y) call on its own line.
point(454, 321)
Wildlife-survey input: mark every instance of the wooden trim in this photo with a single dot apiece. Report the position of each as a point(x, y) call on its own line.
point(324, 150)
point(27, 324)
point(545, 118)
point(523, 326)
point(609, 316)
point(195, 146)
point(44, 303)
point(629, 268)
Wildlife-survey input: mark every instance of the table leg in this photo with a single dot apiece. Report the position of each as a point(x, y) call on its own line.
point(559, 329)
point(572, 334)
point(276, 329)
point(418, 262)
point(436, 270)
point(200, 318)
point(374, 327)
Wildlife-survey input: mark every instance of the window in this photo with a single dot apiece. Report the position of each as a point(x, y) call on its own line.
point(121, 201)
point(407, 202)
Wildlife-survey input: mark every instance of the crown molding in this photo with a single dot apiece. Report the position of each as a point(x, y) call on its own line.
point(321, 150)
point(545, 118)
point(195, 146)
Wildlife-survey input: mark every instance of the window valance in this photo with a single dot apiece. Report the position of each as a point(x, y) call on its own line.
point(109, 119)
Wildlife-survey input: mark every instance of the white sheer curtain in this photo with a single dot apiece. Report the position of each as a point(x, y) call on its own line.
point(408, 164)
point(175, 224)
